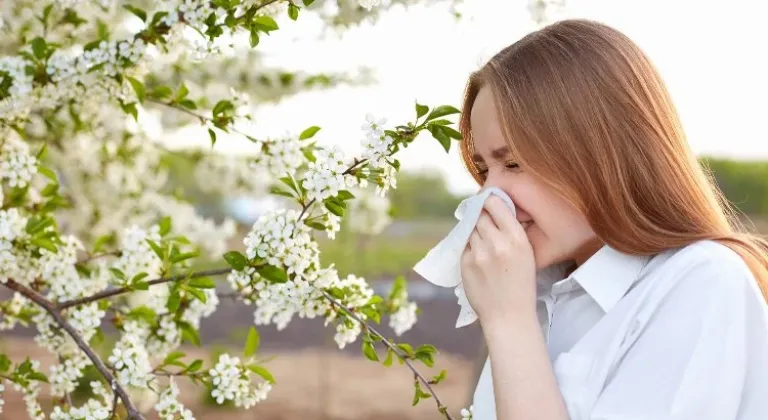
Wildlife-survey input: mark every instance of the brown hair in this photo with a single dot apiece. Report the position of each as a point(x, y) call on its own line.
point(590, 116)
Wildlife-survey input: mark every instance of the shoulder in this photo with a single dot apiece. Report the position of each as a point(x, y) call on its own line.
point(705, 272)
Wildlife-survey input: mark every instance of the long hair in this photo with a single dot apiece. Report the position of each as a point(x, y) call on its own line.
point(583, 109)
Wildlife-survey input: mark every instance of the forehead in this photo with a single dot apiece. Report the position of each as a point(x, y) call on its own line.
point(487, 136)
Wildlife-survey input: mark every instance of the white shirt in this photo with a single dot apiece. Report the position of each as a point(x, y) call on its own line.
point(680, 336)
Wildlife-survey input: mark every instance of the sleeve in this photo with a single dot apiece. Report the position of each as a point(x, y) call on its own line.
point(702, 354)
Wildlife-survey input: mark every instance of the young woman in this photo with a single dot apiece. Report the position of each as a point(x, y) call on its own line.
point(623, 288)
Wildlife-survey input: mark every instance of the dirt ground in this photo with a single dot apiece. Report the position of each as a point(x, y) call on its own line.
point(312, 384)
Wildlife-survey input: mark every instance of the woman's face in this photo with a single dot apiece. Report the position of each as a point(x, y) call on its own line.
point(556, 230)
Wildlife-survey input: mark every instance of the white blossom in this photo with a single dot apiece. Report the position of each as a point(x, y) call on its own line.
point(169, 406)
point(467, 414)
point(232, 382)
point(64, 376)
point(91, 410)
point(130, 357)
point(325, 177)
point(283, 241)
point(369, 4)
point(280, 156)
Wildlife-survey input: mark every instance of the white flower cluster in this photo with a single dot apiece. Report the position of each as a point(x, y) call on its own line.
point(58, 269)
point(283, 241)
point(31, 391)
point(93, 409)
point(376, 148)
point(64, 376)
point(166, 338)
point(11, 309)
point(369, 4)
point(169, 406)
point(130, 357)
point(467, 414)
point(63, 65)
point(404, 318)
point(17, 165)
point(15, 67)
point(232, 382)
point(278, 303)
point(136, 255)
point(325, 176)
point(280, 156)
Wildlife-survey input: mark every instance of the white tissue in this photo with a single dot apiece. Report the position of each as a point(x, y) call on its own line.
point(442, 264)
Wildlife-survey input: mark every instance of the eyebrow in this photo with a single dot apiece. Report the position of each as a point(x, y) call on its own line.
point(497, 154)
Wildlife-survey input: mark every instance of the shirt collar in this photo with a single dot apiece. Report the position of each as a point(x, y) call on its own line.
point(606, 276)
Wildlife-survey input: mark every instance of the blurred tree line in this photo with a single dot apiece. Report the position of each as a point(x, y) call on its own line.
point(425, 195)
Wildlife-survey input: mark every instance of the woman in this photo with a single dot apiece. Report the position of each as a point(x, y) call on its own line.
point(623, 288)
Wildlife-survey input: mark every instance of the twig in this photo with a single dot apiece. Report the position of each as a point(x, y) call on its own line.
point(54, 312)
point(121, 290)
point(96, 256)
point(440, 407)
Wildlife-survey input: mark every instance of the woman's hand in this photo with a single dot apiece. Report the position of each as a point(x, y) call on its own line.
point(498, 267)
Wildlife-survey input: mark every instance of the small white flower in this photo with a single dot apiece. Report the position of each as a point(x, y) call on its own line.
point(466, 414)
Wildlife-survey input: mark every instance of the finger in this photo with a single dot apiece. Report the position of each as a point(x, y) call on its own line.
point(475, 241)
point(486, 227)
point(501, 214)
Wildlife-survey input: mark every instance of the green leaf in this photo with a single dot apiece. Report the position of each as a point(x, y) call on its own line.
point(174, 301)
point(213, 136)
point(118, 273)
point(406, 348)
point(293, 11)
point(47, 173)
point(278, 191)
point(182, 92)
point(97, 338)
point(39, 47)
point(157, 17)
point(273, 274)
point(451, 132)
point(42, 152)
point(50, 190)
point(442, 111)
point(188, 103)
point(144, 313)
point(254, 38)
point(101, 241)
point(251, 343)
point(222, 107)
point(38, 376)
point(442, 138)
point(139, 277)
point(439, 378)
point(308, 2)
point(44, 243)
point(309, 132)
point(5, 363)
point(155, 247)
point(184, 256)
point(131, 110)
point(236, 260)
point(345, 195)
point(140, 285)
point(421, 110)
point(165, 225)
point(198, 294)
point(265, 23)
point(388, 360)
point(194, 366)
point(162, 92)
point(138, 12)
point(189, 333)
point(262, 372)
point(71, 17)
point(138, 87)
point(173, 357)
point(334, 208)
point(369, 351)
point(289, 181)
point(314, 224)
point(202, 283)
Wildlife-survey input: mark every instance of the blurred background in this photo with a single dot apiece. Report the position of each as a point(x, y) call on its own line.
point(712, 55)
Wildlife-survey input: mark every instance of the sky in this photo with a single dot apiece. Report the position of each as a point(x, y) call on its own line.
point(713, 55)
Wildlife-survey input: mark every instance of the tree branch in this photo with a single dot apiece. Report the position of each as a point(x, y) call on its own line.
point(119, 291)
point(54, 312)
point(440, 407)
